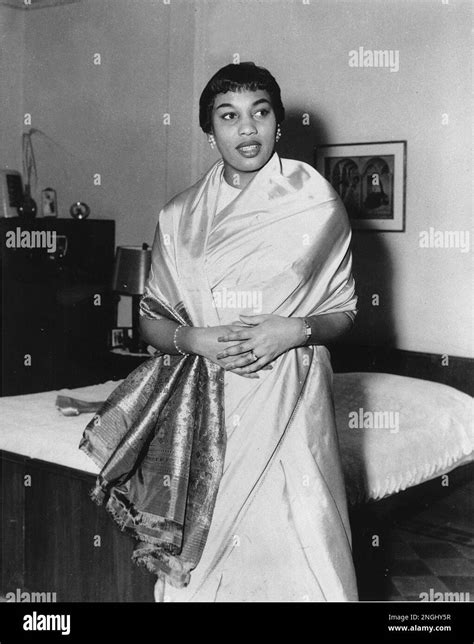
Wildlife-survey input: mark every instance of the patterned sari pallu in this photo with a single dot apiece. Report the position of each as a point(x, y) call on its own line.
point(160, 440)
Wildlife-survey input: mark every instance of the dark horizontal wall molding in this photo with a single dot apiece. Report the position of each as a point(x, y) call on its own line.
point(453, 371)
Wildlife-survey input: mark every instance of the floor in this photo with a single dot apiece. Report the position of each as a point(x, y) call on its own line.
point(421, 547)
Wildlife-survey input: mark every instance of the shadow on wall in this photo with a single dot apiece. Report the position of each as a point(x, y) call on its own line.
point(372, 263)
point(373, 273)
point(301, 132)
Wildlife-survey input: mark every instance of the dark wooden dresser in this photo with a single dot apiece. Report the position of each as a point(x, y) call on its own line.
point(56, 305)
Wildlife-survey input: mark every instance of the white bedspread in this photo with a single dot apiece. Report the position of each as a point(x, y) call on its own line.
point(434, 433)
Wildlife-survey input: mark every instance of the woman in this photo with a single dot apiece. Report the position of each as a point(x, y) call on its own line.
point(255, 259)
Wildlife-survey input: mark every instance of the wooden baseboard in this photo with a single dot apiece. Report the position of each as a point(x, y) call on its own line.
point(454, 371)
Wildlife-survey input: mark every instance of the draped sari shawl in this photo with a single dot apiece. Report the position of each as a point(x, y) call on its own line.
point(282, 247)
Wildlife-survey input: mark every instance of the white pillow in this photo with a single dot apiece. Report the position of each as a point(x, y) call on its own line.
point(425, 430)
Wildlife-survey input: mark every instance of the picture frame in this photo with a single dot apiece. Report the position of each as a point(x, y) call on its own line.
point(120, 337)
point(370, 178)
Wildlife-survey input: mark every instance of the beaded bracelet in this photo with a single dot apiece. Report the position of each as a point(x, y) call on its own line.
point(180, 326)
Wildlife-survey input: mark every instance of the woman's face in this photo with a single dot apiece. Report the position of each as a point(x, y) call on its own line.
point(244, 127)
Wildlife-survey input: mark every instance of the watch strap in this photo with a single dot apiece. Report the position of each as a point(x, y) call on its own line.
point(307, 330)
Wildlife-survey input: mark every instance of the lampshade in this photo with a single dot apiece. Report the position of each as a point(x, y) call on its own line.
point(132, 265)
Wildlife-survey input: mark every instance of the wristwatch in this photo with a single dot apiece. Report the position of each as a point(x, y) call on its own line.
point(307, 330)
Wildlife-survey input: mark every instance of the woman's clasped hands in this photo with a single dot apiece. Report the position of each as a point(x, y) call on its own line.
point(254, 341)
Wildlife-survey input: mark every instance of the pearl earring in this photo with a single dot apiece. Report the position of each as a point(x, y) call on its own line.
point(278, 134)
point(212, 141)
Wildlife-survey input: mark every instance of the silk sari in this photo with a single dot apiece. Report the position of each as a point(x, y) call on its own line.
point(280, 529)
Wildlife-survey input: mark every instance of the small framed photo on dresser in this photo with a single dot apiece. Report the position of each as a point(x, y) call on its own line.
point(370, 178)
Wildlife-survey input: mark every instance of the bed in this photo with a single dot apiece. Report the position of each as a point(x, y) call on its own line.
point(395, 432)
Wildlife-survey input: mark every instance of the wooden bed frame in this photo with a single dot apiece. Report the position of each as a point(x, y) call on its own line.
point(55, 539)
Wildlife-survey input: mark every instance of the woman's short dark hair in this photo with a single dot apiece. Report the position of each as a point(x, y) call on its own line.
point(234, 78)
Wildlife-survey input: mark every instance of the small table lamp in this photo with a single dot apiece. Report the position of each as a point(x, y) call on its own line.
point(132, 265)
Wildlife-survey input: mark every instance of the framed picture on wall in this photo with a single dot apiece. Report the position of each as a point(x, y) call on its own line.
point(370, 178)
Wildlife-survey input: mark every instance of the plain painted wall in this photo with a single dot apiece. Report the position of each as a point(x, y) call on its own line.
point(98, 82)
point(12, 30)
point(155, 59)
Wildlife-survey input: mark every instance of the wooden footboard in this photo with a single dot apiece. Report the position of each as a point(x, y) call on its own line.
point(56, 540)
